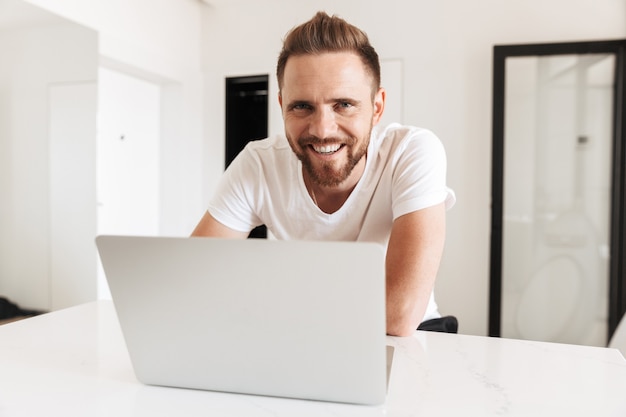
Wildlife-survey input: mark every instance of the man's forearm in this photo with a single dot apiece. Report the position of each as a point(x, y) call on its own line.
point(413, 257)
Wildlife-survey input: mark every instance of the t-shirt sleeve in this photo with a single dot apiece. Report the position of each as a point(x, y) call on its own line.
point(419, 178)
point(232, 204)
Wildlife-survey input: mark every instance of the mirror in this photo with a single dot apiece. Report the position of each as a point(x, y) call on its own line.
point(556, 225)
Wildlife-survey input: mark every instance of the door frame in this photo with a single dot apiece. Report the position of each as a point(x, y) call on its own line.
point(617, 264)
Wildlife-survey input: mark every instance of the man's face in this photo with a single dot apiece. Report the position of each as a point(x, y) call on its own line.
point(329, 113)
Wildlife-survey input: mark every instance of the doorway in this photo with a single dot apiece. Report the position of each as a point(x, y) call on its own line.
point(558, 226)
point(246, 119)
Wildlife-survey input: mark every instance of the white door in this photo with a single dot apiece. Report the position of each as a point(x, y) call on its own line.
point(72, 194)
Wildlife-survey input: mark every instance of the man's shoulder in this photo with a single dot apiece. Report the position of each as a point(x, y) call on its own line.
point(273, 149)
point(270, 144)
point(399, 131)
point(397, 137)
point(270, 156)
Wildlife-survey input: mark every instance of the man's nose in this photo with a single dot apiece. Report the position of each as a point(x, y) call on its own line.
point(323, 123)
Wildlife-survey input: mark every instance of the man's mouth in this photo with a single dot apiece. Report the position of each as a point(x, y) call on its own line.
point(327, 149)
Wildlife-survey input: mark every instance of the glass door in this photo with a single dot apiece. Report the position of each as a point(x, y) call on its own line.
point(557, 225)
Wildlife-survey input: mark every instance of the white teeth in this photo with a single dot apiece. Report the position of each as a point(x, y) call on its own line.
point(326, 148)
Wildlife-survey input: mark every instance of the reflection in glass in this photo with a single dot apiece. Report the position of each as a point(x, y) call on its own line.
point(557, 182)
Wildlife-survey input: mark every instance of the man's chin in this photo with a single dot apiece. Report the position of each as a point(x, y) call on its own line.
point(327, 177)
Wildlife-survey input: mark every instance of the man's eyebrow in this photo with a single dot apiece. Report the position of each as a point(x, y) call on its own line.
point(346, 100)
point(349, 100)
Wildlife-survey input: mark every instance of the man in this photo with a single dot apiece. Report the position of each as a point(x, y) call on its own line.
point(337, 177)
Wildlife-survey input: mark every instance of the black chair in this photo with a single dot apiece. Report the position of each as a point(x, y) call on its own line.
point(445, 324)
point(10, 310)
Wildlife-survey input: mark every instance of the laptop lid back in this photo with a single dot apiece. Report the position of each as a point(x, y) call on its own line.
point(279, 318)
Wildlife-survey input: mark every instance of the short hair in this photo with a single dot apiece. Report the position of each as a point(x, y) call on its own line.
point(324, 33)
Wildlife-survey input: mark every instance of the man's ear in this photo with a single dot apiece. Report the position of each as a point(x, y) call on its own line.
point(379, 105)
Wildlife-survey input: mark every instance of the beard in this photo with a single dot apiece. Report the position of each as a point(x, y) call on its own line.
point(329, 174)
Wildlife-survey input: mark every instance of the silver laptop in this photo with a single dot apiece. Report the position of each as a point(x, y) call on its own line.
point(278, 318)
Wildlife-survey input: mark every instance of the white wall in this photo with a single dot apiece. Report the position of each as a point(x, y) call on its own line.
point(43, 44)
point(35, 198)
point(159, 41)
point(128, 148)
point(128, 154)
point(158, 36)
point(446, 50)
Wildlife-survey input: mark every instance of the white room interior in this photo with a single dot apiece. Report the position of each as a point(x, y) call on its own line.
point(182, 50)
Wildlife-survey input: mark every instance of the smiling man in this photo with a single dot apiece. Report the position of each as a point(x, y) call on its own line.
point(337, 175)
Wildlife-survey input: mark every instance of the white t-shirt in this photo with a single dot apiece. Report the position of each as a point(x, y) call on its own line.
point(405, 171)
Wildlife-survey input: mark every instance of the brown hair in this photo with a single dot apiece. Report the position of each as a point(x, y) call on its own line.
point(324, 33)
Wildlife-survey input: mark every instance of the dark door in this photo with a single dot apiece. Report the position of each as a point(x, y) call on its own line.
point(246, 119)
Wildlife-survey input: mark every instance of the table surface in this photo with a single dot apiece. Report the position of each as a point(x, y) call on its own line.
point(74, 362)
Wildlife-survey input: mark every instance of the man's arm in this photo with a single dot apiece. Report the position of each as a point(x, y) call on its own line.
point(413, 256)
point(209, 227)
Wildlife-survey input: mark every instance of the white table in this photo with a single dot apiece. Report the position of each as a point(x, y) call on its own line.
point(74, 362)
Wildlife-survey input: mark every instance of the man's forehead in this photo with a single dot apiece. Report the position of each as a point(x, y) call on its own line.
point(332, 70)
point(323, 60)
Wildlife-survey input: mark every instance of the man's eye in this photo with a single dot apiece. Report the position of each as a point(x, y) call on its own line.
point(301, 107)
point(344, 105)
